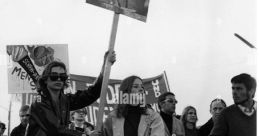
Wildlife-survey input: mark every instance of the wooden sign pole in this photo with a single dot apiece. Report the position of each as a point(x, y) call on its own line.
point(107, 71)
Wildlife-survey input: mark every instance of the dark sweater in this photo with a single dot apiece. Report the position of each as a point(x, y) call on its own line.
point(233, 122)
point(168, 119)
point(191, 132)
point(205, 129)
point(132, 121)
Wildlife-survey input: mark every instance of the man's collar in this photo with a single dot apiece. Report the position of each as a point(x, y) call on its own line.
point(248, 111)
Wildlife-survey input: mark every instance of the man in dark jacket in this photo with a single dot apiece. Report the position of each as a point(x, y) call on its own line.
point(24, 117)
point(216, 106)
point(50, 112)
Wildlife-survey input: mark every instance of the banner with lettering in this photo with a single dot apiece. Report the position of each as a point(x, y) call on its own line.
point(154, 87)
point(27, 63)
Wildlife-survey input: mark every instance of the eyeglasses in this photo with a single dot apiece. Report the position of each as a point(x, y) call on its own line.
point(170, 101)
point(54, 76)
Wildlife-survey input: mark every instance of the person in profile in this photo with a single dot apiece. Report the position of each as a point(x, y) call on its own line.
point(239, 119)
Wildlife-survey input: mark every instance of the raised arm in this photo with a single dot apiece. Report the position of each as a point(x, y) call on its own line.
point(86, 97)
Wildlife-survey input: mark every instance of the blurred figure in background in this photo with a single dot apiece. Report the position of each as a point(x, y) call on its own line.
point(189, 120)
point(2, 128)
point(78, 122)
point(216, 106)
point(24, 117)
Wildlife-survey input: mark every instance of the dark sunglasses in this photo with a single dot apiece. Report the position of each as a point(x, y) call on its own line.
point(55, 76)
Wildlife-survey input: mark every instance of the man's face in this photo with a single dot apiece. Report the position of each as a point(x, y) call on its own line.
point(215, 109)
point(24, 117)
point(240, 93)
point(79, 118)
point(168, 105)
point(56, 79)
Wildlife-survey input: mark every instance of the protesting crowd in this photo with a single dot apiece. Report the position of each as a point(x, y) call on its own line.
point(55, 113)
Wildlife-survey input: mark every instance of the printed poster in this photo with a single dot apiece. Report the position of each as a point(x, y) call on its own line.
point(27, 62)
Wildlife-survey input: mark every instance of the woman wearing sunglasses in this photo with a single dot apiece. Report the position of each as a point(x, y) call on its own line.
point(50, 112)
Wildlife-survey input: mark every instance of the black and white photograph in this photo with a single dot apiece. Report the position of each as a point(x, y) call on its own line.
point(128, 67)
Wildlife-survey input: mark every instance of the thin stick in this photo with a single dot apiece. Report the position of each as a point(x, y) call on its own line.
point(166, 81)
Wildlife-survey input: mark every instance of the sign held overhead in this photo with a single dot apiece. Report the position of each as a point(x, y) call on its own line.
point(136, 9)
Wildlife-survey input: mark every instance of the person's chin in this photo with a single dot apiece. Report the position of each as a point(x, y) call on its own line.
point(57, 87)
point(237, 102)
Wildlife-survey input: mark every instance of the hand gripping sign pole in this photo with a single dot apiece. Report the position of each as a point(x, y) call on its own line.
point(107, 72)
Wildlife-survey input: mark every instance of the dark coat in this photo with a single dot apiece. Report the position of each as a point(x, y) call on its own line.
point(205, 129)
point(47, 120)
point(18, 131)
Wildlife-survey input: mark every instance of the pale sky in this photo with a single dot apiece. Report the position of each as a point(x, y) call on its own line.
point(192, 40)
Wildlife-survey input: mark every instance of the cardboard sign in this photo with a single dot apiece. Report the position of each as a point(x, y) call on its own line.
point(136, 9)
point(28, 62)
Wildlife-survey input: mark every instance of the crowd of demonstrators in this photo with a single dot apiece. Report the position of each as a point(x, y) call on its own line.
point(50, 113)
point(216, 106)
point(167, 104)
point(2, 128)
point(239, 119)
point(189, 119)
point(133, 119)
point(78, 122)
point(24, 114)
